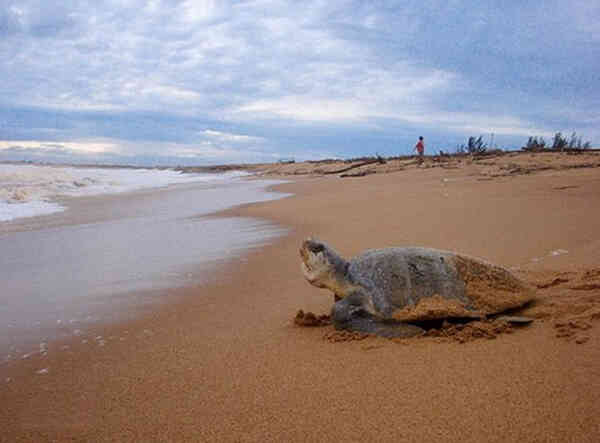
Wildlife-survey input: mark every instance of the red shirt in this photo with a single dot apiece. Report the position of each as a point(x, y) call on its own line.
point(420, 147)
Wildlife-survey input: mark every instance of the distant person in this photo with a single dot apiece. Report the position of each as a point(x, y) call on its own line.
point(420, 148)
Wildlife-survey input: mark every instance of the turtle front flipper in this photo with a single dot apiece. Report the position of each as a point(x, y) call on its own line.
point(352, 314)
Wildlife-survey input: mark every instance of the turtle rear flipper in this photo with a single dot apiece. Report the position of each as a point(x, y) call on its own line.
point(383, 328)
point(350, 314)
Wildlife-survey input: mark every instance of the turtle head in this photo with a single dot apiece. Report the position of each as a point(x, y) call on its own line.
point(323, 267)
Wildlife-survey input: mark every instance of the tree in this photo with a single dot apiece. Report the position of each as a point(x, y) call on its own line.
point(476, 145)
point(533, 144)
point(559, 142)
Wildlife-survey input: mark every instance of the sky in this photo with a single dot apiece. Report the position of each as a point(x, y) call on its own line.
point(215, 82)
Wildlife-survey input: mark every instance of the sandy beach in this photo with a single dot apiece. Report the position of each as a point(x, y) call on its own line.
point(225, 362)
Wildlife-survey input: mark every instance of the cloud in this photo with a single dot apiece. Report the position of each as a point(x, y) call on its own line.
point(138, 154)
point(140, 61)
point(301, 108)
point(230, 138)
point(273, 74)
point(210, 146)
point(37, 18)
point(83, 147)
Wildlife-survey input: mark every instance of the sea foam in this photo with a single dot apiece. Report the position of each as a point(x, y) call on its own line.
point(31, 190)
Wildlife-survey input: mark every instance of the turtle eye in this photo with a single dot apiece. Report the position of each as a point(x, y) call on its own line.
point(315, 247)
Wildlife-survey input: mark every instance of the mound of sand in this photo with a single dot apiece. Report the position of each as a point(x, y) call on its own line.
point(309, 319)
point(464, 332)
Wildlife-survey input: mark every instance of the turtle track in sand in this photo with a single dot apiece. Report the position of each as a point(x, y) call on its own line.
point(568, 300)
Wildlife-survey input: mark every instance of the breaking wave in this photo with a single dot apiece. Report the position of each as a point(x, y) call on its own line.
point(31, 190)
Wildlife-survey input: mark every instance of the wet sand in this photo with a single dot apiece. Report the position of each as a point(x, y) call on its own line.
point(226, 363)
point(98, 260)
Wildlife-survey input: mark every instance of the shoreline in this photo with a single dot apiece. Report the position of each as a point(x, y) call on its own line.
point(224, 362)
point(102, 253)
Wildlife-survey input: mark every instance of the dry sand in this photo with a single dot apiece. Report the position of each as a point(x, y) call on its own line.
point(225, 362)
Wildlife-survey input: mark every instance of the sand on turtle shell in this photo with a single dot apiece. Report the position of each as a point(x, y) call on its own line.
point(434, 308)
point(492, 289)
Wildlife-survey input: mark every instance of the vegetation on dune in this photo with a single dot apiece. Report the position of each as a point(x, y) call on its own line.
point(559, 143)
point(474, 146)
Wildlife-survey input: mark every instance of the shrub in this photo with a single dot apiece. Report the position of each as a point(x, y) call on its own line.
point(559, 143)
point(533, 144)
point(474, 146)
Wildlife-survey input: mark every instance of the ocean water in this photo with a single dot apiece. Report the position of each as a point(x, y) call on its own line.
point(31, 190)
point(107, 241)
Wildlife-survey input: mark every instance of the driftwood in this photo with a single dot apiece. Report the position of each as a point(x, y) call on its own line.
point(358, 174)
point(379, 160)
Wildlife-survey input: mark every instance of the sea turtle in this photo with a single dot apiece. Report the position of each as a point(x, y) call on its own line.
point(386, 291)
